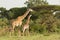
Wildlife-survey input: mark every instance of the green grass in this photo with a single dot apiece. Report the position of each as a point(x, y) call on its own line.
point(32, 37)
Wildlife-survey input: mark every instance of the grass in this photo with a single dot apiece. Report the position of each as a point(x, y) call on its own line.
point(32, 37)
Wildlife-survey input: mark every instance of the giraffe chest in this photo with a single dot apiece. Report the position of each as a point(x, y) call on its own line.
point(26, 26)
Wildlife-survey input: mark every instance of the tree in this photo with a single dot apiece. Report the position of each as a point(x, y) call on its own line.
point(33, 3)
point(3, 12)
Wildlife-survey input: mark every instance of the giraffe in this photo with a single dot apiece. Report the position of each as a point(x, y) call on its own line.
point(26, 25)
point(19, 19)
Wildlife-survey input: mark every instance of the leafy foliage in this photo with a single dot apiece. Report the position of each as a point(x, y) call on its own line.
point(34, 3)
point(42, 19)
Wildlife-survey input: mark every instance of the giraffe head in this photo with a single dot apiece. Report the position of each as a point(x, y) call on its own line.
point(30, 9)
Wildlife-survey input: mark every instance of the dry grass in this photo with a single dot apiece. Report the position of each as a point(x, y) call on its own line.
point(32, 37)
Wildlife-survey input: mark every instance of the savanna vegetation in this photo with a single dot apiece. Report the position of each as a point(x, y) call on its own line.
point(42, 24)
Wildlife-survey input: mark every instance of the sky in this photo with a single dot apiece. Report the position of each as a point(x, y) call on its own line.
point(20, 3)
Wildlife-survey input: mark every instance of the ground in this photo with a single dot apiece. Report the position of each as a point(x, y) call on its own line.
point(32, 37)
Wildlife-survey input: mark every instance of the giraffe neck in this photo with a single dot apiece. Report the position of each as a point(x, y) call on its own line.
point(25, 14)
point(28, 20)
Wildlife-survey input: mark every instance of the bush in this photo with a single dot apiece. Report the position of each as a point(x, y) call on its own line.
point(3, 22)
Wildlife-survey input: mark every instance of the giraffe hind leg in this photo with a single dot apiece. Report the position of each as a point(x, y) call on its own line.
point(13, 27)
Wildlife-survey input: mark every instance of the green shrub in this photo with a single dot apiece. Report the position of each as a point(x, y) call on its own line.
point(3, 22)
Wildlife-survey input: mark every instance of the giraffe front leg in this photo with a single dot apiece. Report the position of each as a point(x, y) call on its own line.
point(19, 32)
point(23, 31)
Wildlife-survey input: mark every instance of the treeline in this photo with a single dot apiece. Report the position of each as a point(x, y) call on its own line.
point(42, 19)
